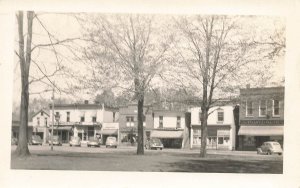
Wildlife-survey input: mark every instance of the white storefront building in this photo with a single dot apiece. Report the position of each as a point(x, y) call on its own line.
point(220, 127)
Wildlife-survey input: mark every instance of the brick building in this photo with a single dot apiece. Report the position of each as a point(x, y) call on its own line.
point(261, 116)
point(128, 122)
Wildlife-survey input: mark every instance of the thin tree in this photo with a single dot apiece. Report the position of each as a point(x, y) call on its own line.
point(126, 53)
point(24, 54)
point(214, 56)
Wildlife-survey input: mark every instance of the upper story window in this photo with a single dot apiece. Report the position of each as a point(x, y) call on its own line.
point(262, 108)
point(199, 116)
point(220, 115)
point(38, 121)
point(46, 121)
point(178, 122)
point(276, 107)
point(42, 113)
point(249, 108)
point(144, 118)
point(114, 116)
point(94, 119)
point(68, 116)
point(82, 118)
point(129, 121)
point(161, 121)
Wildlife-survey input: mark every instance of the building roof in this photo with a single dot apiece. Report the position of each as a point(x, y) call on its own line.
point(42, 110)
point(261, 90)
point(83, 106)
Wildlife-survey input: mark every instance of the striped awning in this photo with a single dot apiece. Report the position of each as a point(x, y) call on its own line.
point(166, 134)
point(261, 130)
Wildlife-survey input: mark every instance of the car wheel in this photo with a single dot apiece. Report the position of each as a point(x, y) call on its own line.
point(160, 148)
point(106, 146)
point(70, 145)
point(279, 153)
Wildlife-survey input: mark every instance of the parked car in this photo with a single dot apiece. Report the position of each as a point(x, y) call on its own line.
point(14, 141)
point(36, 140)
point(93, 142)
point(75, 141)
point(111, 142)
point(154, 143)
point(270, 148)
point(56, 141)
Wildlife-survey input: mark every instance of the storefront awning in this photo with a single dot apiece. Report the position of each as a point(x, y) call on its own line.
point(67, 128)
point(261, 130)
point(166, 134)
point(109, 132)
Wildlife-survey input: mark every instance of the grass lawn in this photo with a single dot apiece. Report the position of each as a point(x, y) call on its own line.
point(152, 161)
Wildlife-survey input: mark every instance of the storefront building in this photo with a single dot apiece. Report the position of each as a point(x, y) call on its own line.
point(169, 127)
point(40, 124)
point(220, 127)
point(128, 123)
point(15, 128)
point(261, 116)
point(81, 120)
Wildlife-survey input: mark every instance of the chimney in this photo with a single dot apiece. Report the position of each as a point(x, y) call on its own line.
point(248, 86)
point(86, 102)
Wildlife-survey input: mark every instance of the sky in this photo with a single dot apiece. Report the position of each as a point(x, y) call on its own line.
point(62, 26)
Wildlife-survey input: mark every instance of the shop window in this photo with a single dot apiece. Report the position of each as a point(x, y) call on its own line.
point(161, 121)
point(249, 108)
point(262, 108)
point(178, 122)
point(68, 116)
point(275, 107)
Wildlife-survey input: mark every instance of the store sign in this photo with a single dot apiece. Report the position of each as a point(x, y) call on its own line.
point(262, 122)
point(223, 133)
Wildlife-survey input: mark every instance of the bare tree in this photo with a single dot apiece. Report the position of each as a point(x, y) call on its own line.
point(27, 78)
point(126, 53)
point(213, 58)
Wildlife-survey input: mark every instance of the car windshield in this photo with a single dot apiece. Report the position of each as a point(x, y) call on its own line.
point(75, 138)
point(157, 141)
point(111, 138)
point(93, 139)
point(36, 137)
point(276, 143)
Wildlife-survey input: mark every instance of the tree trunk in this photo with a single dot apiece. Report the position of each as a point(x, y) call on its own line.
point(25, 59)
point(203, 133)
point(140, 143)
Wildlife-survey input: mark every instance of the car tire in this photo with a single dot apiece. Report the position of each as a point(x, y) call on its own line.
point(160, 148)
point(279, 153)
point(70, 145)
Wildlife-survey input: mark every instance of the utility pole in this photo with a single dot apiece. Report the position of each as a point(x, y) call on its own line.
point(52, 119)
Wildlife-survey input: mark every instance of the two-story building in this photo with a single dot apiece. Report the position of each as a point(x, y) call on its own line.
point(261, 116)
point(128, 122)
point(81, 120)
point(169, 127)
point(40, 124)
point(220, 127)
